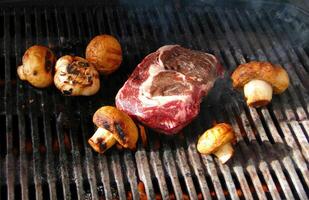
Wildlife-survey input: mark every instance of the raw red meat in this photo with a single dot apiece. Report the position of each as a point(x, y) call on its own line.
point(165, 90)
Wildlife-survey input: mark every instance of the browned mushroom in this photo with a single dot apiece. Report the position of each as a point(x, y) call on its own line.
point(260, 80)
point(113, 126)
point(217, 140)
point(104, 51)
point(37, 68)
point(76, 76)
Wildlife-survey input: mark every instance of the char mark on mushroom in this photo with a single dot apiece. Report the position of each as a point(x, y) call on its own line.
point(68, 92)
point(48, 61)
point(106, 125)
point(83, 64)
point(73, 69)
point(120, 131)
point(79, 75)
point(105, 122)
point(102, 145)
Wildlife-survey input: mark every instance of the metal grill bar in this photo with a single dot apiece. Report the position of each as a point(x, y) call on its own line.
point(144, 173)
point(131, 175)
point(236, 169)
point(142, 159)
point(103, 164)
point(168, 157)
point(89, 156)
point(50, 175)
point(33, 110)
point(250, 168)
point(207, 160)
point(54, 160)
point(289, 140)
point(9, 159)
point(23, 173)
point(181, 159)
point(273, 129)
point(115, 157)
point(290, 72)
point(155, 159)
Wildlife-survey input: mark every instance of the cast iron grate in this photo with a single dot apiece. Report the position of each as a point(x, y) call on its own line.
point(43, 148)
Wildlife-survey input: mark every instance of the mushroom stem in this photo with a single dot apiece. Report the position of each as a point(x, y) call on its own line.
point(102, 140)
point(258, 93)
point(225, 152)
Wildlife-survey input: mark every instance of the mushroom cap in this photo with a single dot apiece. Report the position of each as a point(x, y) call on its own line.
point(37, 68)
point(275, 75)
point(76, 76)
point(215, 137)
point(104, 51)
point(118, 123)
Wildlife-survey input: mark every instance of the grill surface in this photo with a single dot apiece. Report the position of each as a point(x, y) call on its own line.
point(43, 135)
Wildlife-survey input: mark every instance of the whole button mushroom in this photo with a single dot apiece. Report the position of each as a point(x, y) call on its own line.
point(37, 66)
point(76, 76)
point(113, 126)
point(104, 51)
point(260, 80)
point(217, 140)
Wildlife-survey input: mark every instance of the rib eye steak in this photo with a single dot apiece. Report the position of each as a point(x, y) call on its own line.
point(165, 90)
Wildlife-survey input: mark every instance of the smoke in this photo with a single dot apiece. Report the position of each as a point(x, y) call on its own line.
point(223, 93)
point(295, 23)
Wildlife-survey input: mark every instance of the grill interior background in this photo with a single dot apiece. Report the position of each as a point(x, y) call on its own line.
point(43, 135)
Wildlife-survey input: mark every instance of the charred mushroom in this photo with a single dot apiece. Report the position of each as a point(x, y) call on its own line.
point(113, 126)
point(259, 81)
point(104, 51)
point(76, 76)
point(217, 140)
point(37, 67)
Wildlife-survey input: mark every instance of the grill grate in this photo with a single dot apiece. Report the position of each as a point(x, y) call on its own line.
point(43, 135)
